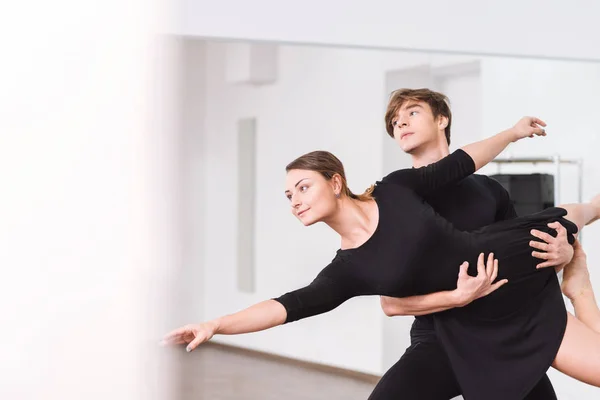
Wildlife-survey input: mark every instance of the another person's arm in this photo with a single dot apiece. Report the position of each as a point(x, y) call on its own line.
point(577, 286)
point(464, 161)
point(468, 289)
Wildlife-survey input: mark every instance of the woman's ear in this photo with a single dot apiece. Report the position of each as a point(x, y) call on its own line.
point(336, 184)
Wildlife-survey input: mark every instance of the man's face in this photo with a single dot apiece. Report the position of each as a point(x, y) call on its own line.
point(415, 126)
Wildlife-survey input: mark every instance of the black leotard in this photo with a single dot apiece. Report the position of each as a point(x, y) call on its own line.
point(500, 345)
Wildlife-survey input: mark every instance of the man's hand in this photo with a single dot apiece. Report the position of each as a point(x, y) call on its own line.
point(469, 288)
point(556, 251)
point(528, 127)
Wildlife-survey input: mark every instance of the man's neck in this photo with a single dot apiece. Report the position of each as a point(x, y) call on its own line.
point(429, 153)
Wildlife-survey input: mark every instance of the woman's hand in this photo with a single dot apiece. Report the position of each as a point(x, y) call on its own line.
point(470, 288)
point(264, 315)
point(192, 334)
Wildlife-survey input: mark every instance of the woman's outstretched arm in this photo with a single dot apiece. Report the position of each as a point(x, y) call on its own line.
point(323, 294)
point(264, 315)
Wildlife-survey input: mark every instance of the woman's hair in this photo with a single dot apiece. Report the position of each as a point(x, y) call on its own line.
point(328, 165)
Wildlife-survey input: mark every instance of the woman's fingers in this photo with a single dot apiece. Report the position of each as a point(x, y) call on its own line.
point(196, 342)
point(178, 336)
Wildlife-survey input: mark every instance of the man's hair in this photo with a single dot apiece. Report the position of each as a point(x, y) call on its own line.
point(438, 102)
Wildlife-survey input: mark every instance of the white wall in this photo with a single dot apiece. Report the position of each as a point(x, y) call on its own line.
point(191, 89)
point(85, 209)
point(514, 27)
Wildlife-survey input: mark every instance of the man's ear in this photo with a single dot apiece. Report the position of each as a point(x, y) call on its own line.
point(443, 122)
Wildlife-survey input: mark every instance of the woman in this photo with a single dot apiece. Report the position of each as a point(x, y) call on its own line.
point(393, 244)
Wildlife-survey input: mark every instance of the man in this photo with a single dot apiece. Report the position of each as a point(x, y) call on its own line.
point(421, 120)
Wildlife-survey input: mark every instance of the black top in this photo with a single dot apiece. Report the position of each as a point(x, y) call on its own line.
point(501, 345)
point(471, 204)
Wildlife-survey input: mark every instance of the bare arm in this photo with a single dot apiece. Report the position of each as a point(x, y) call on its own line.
point(577, 286)
point(419, 305)
point(468, 289)
point(261, 316)
point(586, 308)
point(322, 295)
point(484, 151)
point(264, 315)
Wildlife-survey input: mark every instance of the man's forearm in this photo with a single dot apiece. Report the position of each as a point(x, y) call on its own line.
point(484, 151)
point(420, 305)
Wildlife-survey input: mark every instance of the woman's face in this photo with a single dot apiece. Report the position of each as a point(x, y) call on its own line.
point(311, 196)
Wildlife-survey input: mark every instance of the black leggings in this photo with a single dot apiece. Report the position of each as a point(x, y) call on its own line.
point(424, 373)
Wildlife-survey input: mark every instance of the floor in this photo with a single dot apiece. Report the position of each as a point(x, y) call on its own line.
point(215, 372)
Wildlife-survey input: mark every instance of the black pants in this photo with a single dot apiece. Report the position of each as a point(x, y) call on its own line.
point(424, 373)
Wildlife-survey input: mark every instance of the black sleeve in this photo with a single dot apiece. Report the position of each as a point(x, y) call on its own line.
point(324, 294)
point(425, 180)
point(504, 205)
